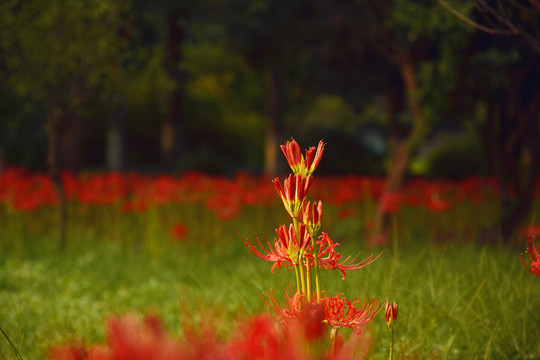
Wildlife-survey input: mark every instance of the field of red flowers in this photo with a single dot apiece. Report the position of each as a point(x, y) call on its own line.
point(227, 198)
point(163, 213)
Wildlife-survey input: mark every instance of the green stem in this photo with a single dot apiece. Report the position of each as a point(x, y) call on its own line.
point(298, 288)
point(316, 259)
point(391, 355)
point(300, 255)
point(308, 280)
point(302, 276)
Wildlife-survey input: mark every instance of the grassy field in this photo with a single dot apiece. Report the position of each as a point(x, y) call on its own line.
point(458, 299)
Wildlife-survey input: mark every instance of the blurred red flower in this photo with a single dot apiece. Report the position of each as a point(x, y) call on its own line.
point(532, 260)
point(179, 231)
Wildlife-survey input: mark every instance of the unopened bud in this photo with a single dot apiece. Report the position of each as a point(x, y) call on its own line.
point(390, 313)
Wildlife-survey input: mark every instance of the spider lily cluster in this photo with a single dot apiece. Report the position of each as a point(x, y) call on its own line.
point(302, 247)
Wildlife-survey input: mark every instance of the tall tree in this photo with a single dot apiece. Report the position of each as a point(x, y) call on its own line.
point(415, 52)
point(270, 35)
point(62, 54)
point(505, 74)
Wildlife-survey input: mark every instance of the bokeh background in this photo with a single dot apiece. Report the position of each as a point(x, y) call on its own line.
point(439, 89)
point(139, 140)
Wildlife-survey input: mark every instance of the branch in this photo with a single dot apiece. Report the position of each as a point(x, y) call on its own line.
point(533, 42)
point(472, 23)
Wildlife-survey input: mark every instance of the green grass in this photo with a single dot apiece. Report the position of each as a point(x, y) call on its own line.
point(456, 301)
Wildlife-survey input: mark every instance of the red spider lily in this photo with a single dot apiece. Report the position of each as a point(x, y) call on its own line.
point(390, 312)
point(287, 249)
point(292, 152)
point(309, 315)
point(312, 216)
point(341, 312)
point(295, 247)
point(279, 255)
point(293, 192)
point(313, 159)
point(329, 258)
point(257, 338)
point(295, 303)
point(533, 257)
point(299, 164)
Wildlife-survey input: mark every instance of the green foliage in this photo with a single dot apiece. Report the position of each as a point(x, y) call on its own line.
point(452, 156)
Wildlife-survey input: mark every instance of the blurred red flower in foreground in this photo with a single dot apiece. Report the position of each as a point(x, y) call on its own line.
point(533, 257)
point(258, 338)
point(533, 230)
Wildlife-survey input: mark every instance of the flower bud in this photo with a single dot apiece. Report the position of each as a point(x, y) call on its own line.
point(390, 313)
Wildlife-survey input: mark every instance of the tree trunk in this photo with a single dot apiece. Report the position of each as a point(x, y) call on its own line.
point(54, 121)
point(519, 154)
point(2, 160)
point(171, 137)
point(115, 146)
point(402, 151)
point(273, 134)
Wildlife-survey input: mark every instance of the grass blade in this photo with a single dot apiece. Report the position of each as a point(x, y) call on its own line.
point(15, 350)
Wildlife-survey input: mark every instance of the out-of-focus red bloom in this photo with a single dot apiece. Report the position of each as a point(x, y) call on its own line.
point(260, 339)
point(436, 204)
point(69, 352)
point(293, 192)
point(257, 338)
point(341, 312)
point(533, 257)
point(533, 230)
point(179, 231)
point(226, 205)
point(294, 302)
point(137, 205)
point(391, 203)
point(309, 315)
point(329, 258)
point(347, 212)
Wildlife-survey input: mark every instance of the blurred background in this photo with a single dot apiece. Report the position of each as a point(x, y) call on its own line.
point(396, 88)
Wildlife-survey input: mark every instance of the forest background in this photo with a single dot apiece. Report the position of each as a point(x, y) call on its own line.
point(397, 88)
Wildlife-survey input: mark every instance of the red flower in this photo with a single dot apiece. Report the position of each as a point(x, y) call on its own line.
point(313, 159)
point(279, 255)
point(391, 202)
point(341, 312)
point(294, 310)
point(312, 216)
point(300, 165)
point(533, 230)
point(390, 313)
point(533, 257)
point(292, 152)
point(329, 258)
point(293, 192)
point(179, 231)
point(436, 204)
point(287, 249)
